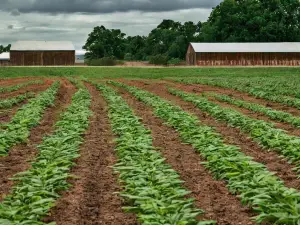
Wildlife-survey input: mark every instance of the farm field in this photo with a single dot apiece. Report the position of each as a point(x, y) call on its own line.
point(217, 148)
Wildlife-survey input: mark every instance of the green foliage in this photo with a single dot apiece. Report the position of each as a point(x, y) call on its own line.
point(174, 61)
point(5, 49)
point(253, 21)
point(28, 116)
point(38, 188)
point(104, 42)
point(256, 186)
point(262, 132)
point(271, 113)
point(159, 59)
point(9, 102)
point(105, 61)
point(19, 86)
point(151, 187)
point(128, 57)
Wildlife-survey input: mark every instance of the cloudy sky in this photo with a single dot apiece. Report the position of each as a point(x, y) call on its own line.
point(74, 19)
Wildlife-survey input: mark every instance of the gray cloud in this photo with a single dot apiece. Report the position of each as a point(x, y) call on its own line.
point(15, 12)
point(103, 6)
point(10, 27)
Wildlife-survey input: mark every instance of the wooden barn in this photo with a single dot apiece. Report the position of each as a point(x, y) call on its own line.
point(244, 54)
point(42, 53)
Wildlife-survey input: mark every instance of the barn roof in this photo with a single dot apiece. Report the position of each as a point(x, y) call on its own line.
point(42, 46)
point(5, 56)
point(247, 47)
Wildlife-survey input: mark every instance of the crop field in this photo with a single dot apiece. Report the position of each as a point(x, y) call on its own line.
point(179, 149)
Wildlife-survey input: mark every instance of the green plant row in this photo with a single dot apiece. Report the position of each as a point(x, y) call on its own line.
point(38, 188)
point(28, 116)
point(286, 100)
point(255, 185)
point(9, 102)
point(261, 131)
point(151, 187)
point(76, 82)
point(271, 113)
point(19, 86)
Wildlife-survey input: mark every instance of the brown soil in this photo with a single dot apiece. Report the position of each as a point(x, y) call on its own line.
point(240, 95)
point(92, 201)
point(7, 114)
point(211, 195)
point(260, 116)
point(31, 88)
point(231, 135)
point(14, 81)
point(20, 155)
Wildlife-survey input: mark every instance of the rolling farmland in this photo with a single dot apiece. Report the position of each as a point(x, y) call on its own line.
point(195, 150)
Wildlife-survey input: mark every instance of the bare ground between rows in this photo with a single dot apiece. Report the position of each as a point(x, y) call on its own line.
point(20, 156)
point(29, 88)
point(91, 200)
point(15, 81)
point(291, 130)
point(273, 161)
point(7, 114)
point(211, 195)
point(199, 88)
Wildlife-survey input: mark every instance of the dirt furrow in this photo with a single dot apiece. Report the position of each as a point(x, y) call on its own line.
point(231, 135)
point(92, 201)
point(30, 88)
point(211, 195)
point(19, 156)
point(198, 88)
point(15, 81)
point(260, 116)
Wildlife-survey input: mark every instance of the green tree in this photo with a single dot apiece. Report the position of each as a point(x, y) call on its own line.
point(253, 21)
point(104, 42)
point(5, 49)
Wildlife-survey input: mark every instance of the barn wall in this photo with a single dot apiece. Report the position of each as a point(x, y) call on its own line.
point(190, 56)
point(42, 58)
point(248, 59)
point(4, 63)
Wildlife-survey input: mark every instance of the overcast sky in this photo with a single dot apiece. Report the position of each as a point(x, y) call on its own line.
point(74, 19)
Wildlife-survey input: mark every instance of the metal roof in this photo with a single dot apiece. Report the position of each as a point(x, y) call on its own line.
point(5, 56)
point(42, 46)
point(247, 47)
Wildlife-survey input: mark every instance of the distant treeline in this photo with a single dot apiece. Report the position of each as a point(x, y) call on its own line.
point(5, 49)
point(230, 21)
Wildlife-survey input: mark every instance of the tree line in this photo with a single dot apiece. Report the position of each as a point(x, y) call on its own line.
point(230, 21)
point(5, 48)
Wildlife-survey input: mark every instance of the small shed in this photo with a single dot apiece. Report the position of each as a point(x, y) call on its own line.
point(42, 53)
point(4, 59)
point(244, 54)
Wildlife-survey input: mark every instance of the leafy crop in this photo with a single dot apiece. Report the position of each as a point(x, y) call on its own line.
point(28, 116)
point(38, 188)
point(271, 113)
point(19, 86)
point(255, 185)
point(257, 92)
point(262, 132)
point(151, 187)
point(9, 102)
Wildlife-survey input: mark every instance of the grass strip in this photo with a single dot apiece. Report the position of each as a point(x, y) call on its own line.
point(38, 188)
point(151, 187)
point(28, 116)
point(251, 181)
point(19, 86)
point(261, 131)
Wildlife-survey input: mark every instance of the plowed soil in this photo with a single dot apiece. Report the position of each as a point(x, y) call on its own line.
point(20, 156)
point(272, 160)
point(211, 195)
point(92, 201)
